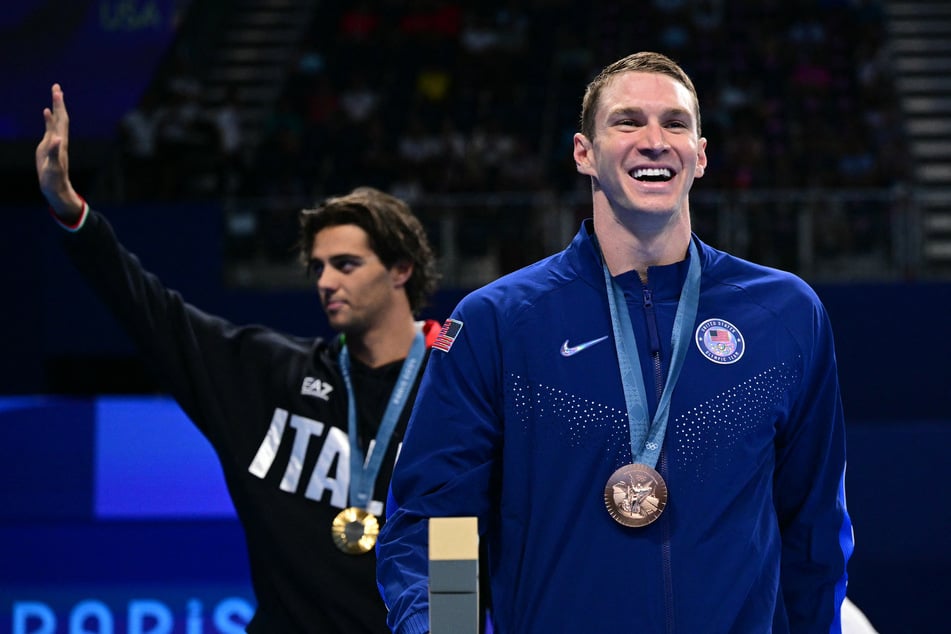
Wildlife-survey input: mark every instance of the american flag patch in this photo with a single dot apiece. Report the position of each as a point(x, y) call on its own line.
point(447, 335)
point(720, 335)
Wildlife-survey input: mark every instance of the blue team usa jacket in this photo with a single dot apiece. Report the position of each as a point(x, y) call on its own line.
point(521, 420)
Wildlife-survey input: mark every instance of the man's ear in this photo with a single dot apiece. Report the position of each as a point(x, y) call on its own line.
point(401, 272)
point(583, 154)
point(701, 158)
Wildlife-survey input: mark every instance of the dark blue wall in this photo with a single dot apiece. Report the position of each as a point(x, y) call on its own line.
point(104, 54)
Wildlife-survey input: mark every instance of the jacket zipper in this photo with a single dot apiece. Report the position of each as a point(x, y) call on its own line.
point(662, 466)
point(654, 341)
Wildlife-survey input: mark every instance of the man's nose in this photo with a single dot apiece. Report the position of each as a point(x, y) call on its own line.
point(327, 279)
point(654, 138)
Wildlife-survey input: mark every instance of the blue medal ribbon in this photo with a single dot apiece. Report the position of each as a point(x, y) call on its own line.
point(364, 470)
point(647, 437)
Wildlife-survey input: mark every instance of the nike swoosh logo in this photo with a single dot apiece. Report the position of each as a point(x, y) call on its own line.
point(567, 351)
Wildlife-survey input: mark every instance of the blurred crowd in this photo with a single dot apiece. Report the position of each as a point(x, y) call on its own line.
point(431, 97)
point(441, 96)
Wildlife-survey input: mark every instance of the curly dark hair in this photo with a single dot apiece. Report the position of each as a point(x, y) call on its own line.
point(395, 234)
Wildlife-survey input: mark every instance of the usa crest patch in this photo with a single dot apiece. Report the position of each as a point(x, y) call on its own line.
point(720, 341)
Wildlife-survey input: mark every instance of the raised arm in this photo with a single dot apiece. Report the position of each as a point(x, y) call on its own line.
point(52, 162)
point(194, 354)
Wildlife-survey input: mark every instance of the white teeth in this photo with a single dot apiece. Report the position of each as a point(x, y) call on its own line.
point(647, 172)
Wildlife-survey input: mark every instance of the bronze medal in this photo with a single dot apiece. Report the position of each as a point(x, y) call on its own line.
point(635, 495)
point(355, 531)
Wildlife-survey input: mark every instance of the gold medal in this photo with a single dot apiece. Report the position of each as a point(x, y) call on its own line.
point(635, 495)
point(355, 531)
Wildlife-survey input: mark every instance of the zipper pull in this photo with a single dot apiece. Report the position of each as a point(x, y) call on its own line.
point(651, 321)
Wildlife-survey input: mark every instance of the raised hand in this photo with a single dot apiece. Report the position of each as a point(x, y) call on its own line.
point(52, 161)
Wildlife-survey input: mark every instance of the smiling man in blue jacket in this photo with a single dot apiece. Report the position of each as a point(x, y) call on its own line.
point(649, 430)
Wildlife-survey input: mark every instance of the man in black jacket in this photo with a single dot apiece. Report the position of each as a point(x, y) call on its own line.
point(307, 430)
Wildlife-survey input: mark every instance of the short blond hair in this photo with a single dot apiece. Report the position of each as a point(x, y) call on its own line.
point(642, 62)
